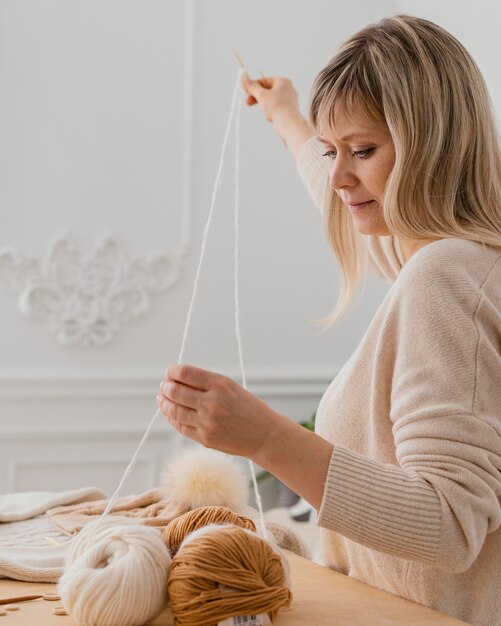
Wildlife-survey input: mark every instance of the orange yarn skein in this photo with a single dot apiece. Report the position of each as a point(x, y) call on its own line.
point(224, 571)
point(181, 526)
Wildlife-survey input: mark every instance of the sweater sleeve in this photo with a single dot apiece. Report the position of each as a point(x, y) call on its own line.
point(384, 254)
point(313, 172)
point(442, 337)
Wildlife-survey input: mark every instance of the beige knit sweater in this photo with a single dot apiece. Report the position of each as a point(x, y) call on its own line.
point(412, 498)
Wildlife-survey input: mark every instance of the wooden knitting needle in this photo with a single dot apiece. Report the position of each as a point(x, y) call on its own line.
point(19, 599)
point(263, 80)
point(239, 60)
point(245, 76)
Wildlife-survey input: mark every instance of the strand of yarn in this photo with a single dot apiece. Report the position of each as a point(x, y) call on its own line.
point(237, 245)
point(238, 333)
point(179, 528)
point(235, 100)
point(190, 308)
point(220, 572)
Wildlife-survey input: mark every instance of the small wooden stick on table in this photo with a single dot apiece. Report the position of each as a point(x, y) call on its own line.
point(45, 596)
point(18, 599)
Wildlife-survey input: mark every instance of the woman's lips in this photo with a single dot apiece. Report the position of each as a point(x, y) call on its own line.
point(361, 206)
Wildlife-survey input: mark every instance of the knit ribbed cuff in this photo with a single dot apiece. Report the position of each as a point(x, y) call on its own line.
point(312, 171)
point(381, 506)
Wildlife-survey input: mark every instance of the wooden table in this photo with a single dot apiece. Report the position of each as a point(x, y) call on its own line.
point(321, 597)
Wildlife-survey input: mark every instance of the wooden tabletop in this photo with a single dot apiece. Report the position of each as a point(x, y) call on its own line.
point(321, 597)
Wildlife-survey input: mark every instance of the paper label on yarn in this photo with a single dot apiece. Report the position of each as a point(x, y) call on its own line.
point(247, 620)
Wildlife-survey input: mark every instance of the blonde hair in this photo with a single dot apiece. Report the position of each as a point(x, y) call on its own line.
point(416, 78)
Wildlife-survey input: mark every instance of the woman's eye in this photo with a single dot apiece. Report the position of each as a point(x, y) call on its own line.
point(363, 154)
point(360, 154)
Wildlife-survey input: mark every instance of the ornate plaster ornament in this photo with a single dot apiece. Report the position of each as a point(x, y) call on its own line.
point(86, 298)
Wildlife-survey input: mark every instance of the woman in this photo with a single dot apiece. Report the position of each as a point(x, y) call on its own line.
point(405, 466)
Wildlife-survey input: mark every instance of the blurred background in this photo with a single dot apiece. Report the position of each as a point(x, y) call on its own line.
point(112, 114)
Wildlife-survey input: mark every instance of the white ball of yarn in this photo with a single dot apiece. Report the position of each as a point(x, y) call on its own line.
point(117, 575)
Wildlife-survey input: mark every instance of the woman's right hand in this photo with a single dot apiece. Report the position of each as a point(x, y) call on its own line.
point(278, 100)
point(275, 95)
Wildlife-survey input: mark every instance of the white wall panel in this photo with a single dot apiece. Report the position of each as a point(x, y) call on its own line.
point(66, 474)
point(111, 120)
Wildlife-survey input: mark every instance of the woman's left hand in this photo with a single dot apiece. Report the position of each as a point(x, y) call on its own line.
point(216, 411)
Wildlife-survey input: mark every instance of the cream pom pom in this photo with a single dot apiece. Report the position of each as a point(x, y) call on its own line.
point(204, 478)
point(115, 575)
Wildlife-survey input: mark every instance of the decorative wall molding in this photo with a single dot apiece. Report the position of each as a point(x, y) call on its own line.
point(267, 383)
point(70, 436)
point(86, 298)
point(58, 466)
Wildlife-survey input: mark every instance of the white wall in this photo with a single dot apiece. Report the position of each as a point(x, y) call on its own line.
point(112, 114)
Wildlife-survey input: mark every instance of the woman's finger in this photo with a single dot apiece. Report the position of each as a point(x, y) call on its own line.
point(183, 429)
point(256, 87)
point(173, 411)
point(181, 394)
point(265, 82)
point(190, 375)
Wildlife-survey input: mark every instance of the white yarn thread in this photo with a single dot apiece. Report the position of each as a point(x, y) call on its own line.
point(237, 244)
point(115, 575)
point(238, 333)
point(211, 210)
point(238, 109)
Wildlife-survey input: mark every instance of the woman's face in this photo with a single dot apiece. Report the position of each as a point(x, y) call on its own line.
point(361, 156)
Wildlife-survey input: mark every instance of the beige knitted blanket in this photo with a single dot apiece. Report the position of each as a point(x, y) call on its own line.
point(149, 508)
point(31, 547)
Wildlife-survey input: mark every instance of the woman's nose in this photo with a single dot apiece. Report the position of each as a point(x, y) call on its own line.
point(340, 173)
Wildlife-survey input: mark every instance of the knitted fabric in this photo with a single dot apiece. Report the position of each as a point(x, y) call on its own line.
point(149, 507)
point(31, 548)
point(28, 504)
point(288, 539)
